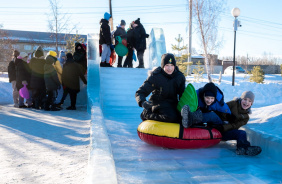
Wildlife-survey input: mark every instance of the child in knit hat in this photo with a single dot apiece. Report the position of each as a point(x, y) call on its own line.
point(240, 109)
point(162, 104)
point(210, 103)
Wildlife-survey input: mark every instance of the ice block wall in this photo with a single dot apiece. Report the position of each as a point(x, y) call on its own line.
point(156, 47)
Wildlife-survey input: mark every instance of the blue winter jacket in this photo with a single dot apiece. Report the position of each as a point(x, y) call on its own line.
point(217, 105)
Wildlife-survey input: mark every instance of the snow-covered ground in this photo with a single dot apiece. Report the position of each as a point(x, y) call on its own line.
point(38, 146)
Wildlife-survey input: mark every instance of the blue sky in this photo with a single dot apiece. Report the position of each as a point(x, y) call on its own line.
point(260, 32)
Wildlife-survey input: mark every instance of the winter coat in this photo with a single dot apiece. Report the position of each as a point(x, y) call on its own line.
point(12, 71)
point(61, 59)
point(105, 32)
point(130, 38)
point(239, 117)
point(140, 38)
point(166, 89)
point(50, 75)
point(37, 72)
point(119, 32)
point(217, 105)
point(22, 73)
point(56, 64)
point(71, 75)
point(80, 57)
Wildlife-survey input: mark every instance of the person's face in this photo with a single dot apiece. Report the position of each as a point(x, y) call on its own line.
point(246, 103)
point(209, 100)
point(123, 26)
point(134, 25)
point(78, 47)
point(169, 68)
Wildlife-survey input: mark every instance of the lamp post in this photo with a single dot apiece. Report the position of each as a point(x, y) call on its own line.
point(235, 13)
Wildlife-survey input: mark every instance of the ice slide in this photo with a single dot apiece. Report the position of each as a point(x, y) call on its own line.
point(119, 156)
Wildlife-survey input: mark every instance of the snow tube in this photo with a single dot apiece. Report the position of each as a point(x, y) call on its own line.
point(24, 92)
point(173, 135)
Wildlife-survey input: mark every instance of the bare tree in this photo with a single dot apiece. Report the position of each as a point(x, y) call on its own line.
point(206, 13)
point(58, 22)
point(6, 47)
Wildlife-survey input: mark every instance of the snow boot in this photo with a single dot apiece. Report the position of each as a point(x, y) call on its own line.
point(186, 116)
point(71, 108)
point(253, 150)
point(102, 64)
point(250, 150)
point(197, 116)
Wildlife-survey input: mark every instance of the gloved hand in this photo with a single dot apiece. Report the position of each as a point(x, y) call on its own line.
point(218, 127)
point(147, 105)
point(24, 83)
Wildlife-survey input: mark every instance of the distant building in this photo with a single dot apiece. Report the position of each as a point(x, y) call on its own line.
point(28, 41)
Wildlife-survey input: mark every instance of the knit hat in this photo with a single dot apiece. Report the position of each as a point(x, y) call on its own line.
point(137, 21)
point(22, 55)
point(107, 16)
point(39, 52)
point(248, 94)
point(168, 58)
point(122, 23)
point(210, 89)
point(52, 53)
point(69, 56)
point(62, 53)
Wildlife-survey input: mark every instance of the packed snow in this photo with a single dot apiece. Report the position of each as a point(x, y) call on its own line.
point(38, 146)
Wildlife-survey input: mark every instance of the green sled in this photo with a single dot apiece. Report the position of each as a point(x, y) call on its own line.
point(189, 97)
point(120, 49)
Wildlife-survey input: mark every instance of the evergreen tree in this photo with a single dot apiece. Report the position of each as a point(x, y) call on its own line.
point(198, 72)
point(281, 69)
point(257, 75)
point(70, 46)
point(178, 48)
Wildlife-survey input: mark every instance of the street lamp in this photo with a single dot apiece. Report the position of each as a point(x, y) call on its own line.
point(235, 13)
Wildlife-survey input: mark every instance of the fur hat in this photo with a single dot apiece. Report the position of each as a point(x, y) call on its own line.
point(168, 58)
point(122, 23)
point(210, 89)
point(22, 55)
point(107, 16)
point(248, 94)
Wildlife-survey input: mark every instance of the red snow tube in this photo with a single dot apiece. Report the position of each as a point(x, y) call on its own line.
point(173, 135)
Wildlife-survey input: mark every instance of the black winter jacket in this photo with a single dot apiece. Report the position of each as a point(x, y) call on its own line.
point(119, 32)
point(130, 38)
point(22, 73)
point(50, 75)
point(105, 32)
point(37, 73)
point(80, 56)
point(166, 89)
point(140, 38)
point(12, 71)
point(71, 75)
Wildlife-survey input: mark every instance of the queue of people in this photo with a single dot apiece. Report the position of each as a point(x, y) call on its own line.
point(167, 84)
point(135, 39)
point(49, 79)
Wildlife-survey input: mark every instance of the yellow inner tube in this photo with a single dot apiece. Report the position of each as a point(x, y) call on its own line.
point(159, 128)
